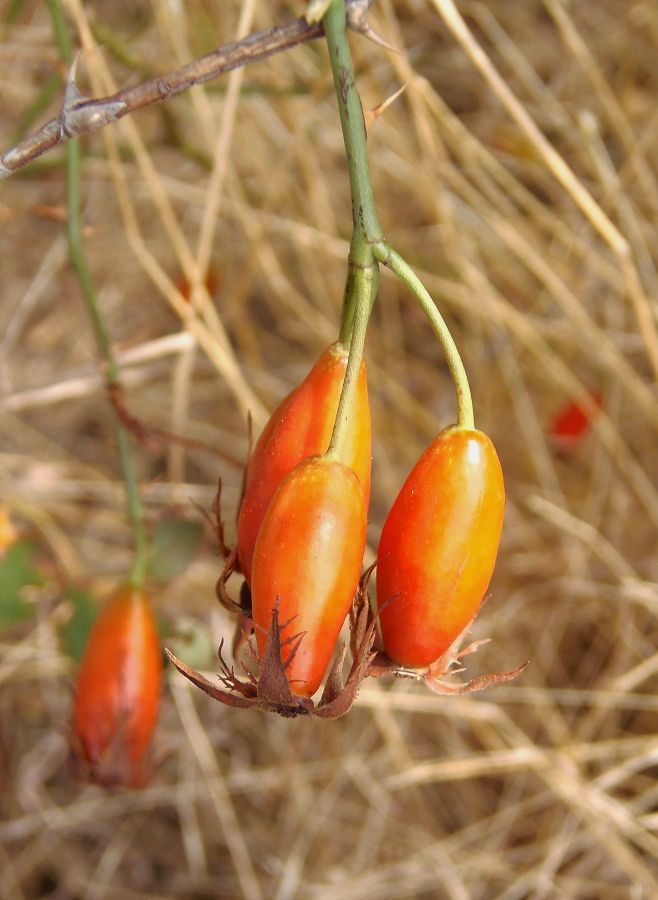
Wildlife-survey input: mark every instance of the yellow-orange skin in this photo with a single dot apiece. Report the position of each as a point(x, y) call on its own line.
point(439, 545)
point(300, 427)
point(309, 554)
point(118, 689)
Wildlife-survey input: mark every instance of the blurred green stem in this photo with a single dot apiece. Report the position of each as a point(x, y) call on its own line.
point(79, 263)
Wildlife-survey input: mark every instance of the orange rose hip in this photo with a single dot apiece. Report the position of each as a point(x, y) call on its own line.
point(118, 691)
point(300, 427)
point(308, 558)
point(439, 545)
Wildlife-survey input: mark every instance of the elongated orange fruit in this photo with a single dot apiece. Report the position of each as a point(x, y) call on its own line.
point(118, 690)
point(439, 545)
point(308, 559)
point(300, 427)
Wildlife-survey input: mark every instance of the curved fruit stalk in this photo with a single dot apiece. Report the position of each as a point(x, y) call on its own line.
point(300, 427)
point(118, 691)
point(438, 546)
point(307, 564)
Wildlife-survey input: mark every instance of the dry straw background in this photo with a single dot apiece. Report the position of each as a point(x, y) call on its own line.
point(519, 174)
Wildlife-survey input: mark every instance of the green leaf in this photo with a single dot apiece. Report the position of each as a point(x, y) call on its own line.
point(174, 545)
point(192, 643)
point(76, 631)
point(17, 571)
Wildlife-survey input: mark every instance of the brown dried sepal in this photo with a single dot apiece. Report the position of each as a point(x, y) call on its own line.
point(437, 676)
point(271, 691)
point(230, 566)
point(231, 563)
point(242, 607)
point(217, 523)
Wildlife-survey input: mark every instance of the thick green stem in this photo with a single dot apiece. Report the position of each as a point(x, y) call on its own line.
point(406, 274)
point(363, 273)
point(350, 300)
point(79, 263)
point(362, 284)
point(366, 228)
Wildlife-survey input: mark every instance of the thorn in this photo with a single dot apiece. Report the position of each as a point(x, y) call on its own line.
point(371, 115)
point(357, 16)
point(367, 32)
point(80, 113)
point(72, 97)
point(357, 10)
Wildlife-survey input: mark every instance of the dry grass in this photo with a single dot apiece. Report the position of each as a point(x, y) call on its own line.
point(518, 174)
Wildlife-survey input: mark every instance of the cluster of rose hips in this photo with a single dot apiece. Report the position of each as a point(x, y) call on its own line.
point(301, 540)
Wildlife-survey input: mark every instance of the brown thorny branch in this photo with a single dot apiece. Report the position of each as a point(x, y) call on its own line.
point(82, 115)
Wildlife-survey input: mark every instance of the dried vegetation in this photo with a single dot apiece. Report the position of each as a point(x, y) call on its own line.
point(518, 172)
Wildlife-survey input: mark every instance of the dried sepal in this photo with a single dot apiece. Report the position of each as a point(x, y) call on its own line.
point(273, 687)
point(241, 608)
point(230, 565)
point(363, 625)
point(227, 697)
point(361, 615)
point(228, 553)
point(218, 523)
point(334, 684)
point(244, 628)
point(271, 690)
point(223, 547)
point(436, 676)
point(441, 686)
point(229, 679)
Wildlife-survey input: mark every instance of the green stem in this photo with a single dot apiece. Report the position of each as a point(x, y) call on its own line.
point(368, 245)
point(362, 284)
point(366, 228)
point(350, 299)
point(393, 261)
point(363, 273)
point(79, 263)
